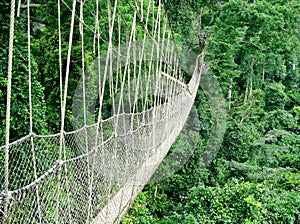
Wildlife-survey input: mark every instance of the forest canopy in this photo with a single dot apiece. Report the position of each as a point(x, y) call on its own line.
point(253, 49)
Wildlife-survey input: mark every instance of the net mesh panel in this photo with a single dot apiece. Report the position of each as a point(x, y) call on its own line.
point(114, 162)
point(93, 173)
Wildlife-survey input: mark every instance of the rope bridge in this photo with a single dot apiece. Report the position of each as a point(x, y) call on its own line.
point(93, 173)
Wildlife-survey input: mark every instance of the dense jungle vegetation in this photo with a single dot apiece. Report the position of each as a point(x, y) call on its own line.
point(252, 47)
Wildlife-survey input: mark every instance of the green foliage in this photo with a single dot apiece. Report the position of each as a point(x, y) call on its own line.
point(242, 202)
point(20, 87)
point(252, 47)
point(275, 97)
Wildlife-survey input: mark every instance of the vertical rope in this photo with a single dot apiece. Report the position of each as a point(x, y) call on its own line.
point(137, 86)
point(133, 50)
point(84, 104)
point(19, 8)
point(63, 109)
point(97, 33)
point(30, 110)
point(132, 46)
point(127, 65)
point(169, 82)
point(142, 10)
point(65, 92)
point(150, 63)
point(108, 68)
point(118, 79)
point(8, 100)
point(157, 75)
point(112, 88)
point(60, 79)
point(60, 55)
point(161, 59)
point(165, 69)
point(61, 102)
point(119, 73)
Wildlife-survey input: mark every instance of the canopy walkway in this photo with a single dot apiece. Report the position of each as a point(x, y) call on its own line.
point(93, 173)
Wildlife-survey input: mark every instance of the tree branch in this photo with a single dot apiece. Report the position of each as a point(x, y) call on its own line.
point(41, 21)
point(255, 45)
point(32, 6)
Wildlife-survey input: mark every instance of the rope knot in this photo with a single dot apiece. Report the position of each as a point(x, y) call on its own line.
point(5, 195)
point(60, 162)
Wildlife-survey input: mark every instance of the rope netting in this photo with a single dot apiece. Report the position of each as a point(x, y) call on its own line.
point(127, 109)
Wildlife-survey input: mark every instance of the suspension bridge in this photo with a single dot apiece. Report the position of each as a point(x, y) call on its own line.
point(93, 173)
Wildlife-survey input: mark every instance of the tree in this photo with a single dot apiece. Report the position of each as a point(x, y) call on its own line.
point(252, 48)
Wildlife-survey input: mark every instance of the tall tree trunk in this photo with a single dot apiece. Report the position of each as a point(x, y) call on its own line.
point(246, 94)
point(263, 75)
point(230, 93)
point(251, 78)
point(201, 34)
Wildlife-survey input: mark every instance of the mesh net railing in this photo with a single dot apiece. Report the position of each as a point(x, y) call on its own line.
point(76, 189)
point(128, 108)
